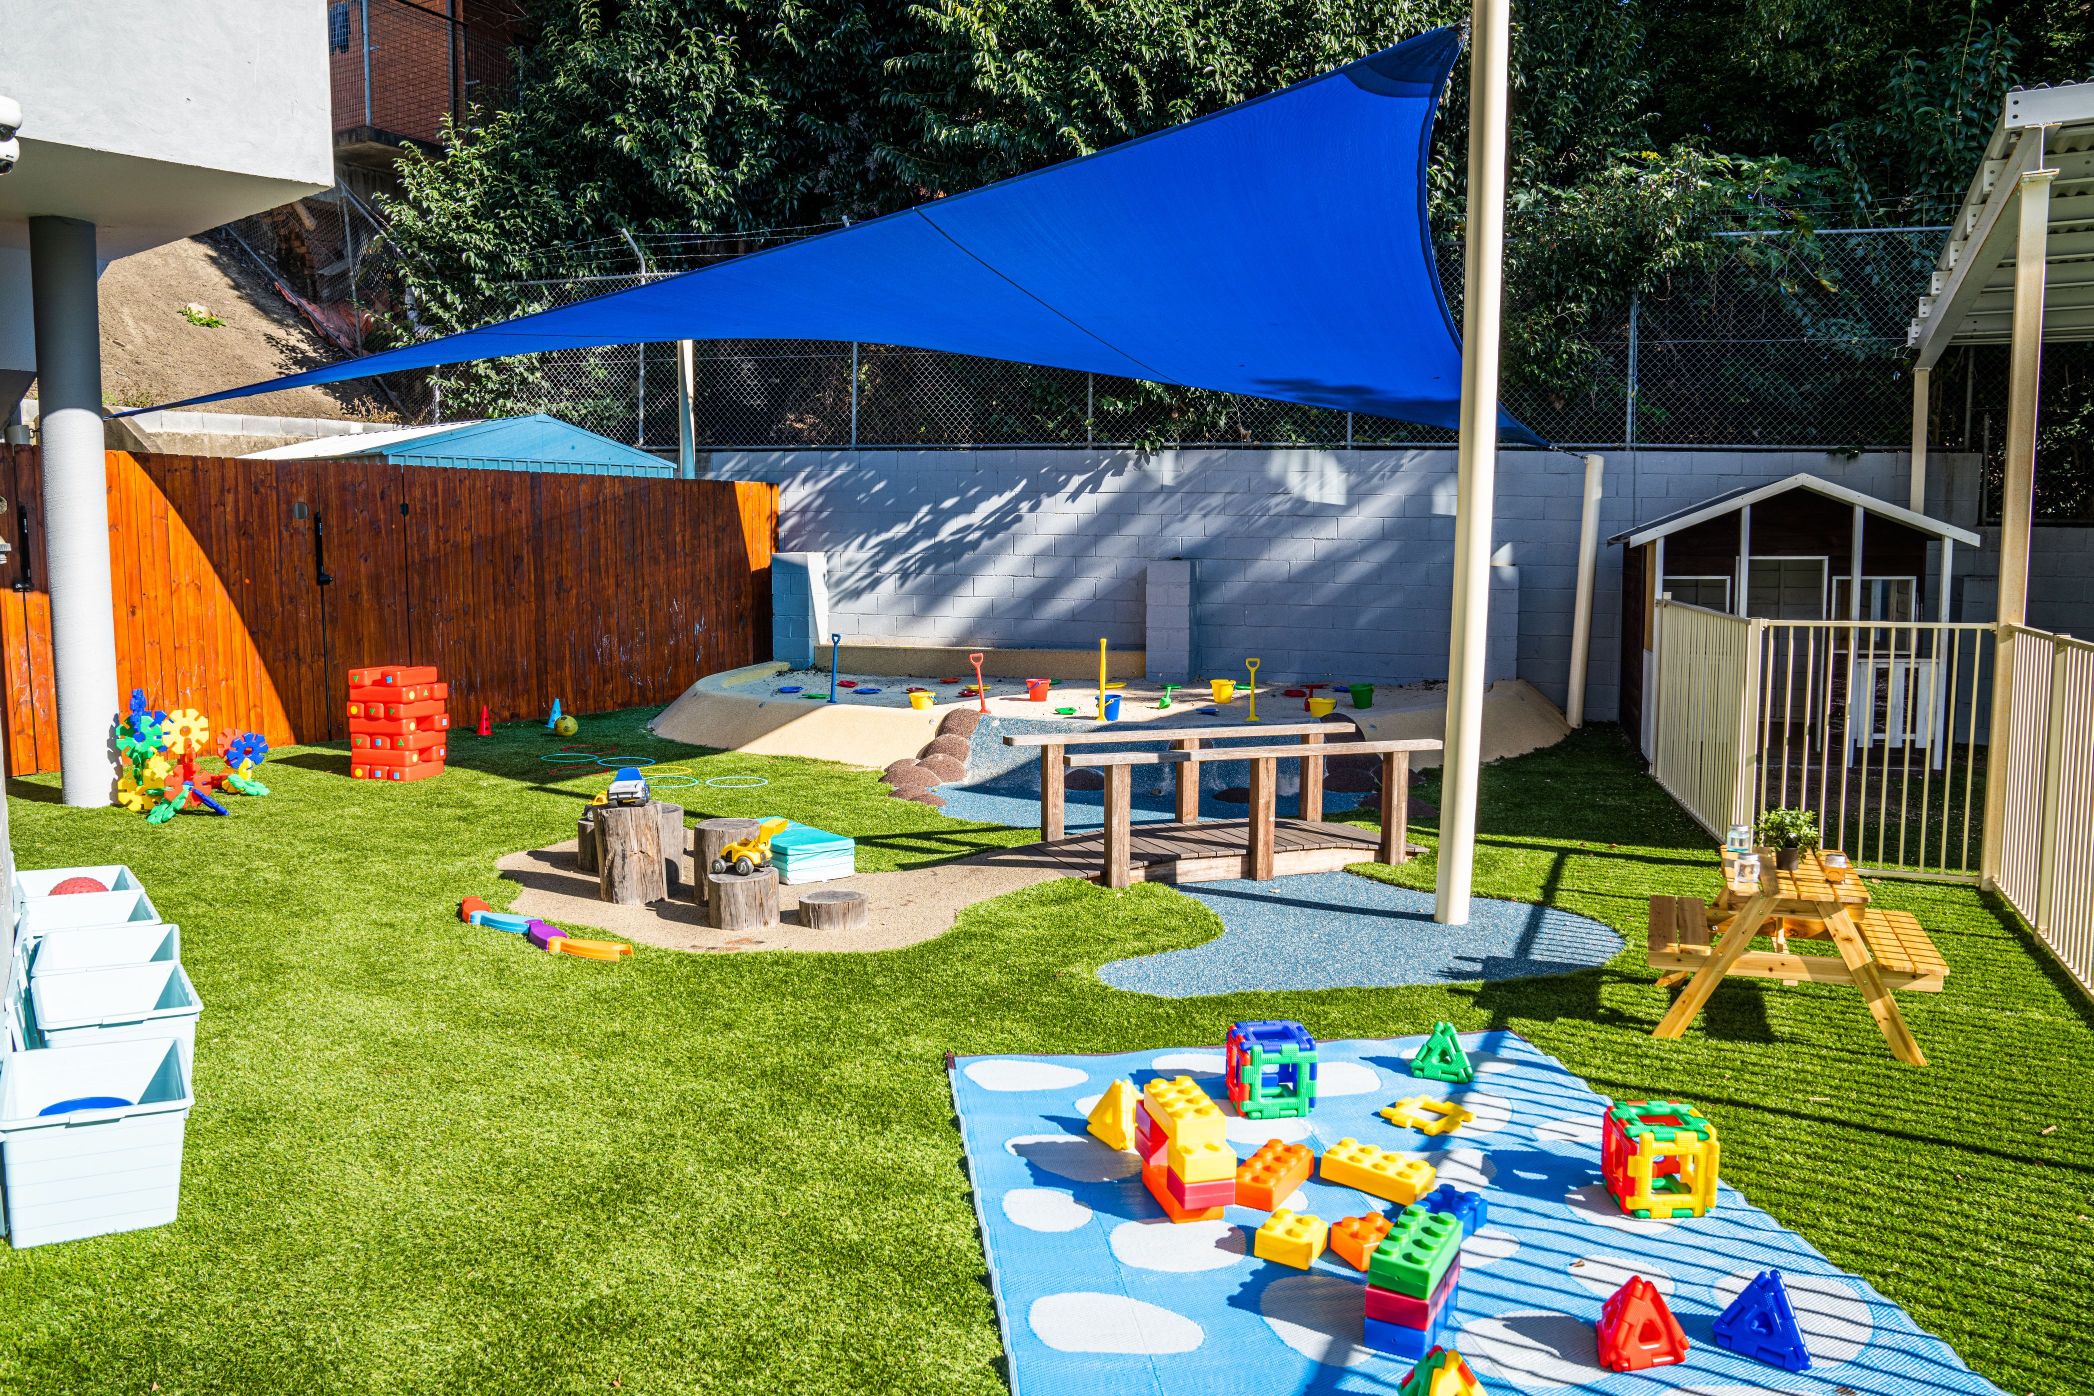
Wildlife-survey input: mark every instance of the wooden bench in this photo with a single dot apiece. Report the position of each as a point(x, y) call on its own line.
point(1681, 936)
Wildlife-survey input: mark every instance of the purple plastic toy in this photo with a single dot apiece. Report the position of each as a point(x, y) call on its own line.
point(544, 933)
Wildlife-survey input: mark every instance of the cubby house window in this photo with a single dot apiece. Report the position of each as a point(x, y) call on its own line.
point(1712, 593)
point(1882, 598)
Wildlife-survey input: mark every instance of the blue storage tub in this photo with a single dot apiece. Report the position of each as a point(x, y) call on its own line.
point(112, 1162)
point(106, 947)
point(85, 910)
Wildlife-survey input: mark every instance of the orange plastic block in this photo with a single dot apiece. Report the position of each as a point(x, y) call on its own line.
point(1377, 1172)
point(378, 726)
point(361, 770)
point(1183, 1112)
point(1270, 1176)
point(588, 949)
point(400, 693)
point(395, 711)
point(392, 675)
point(396, 741)
point(1291, 1238)
point(1356, 1237)
point(1156, 1176)
point(470, 905)
point(393, 756)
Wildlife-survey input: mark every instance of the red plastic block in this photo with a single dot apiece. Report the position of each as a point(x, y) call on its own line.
point(378, 726)
point(400, 693)
point(1193, 1196)
point(397, 741)
point(393, 756)
point(392, 675)
point(400, 774)
point(1387, 1306)
point(1156, 1178)
point(1637, 1331)
point(393, 712)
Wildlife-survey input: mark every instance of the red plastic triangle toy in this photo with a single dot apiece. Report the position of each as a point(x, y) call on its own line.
point(1637, 1330)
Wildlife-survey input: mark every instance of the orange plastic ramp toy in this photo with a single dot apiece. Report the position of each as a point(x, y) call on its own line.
point(590, 949)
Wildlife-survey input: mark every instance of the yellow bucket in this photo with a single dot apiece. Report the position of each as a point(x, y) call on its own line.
point(1321, 707)
point(1223, 689)
point(920, 701)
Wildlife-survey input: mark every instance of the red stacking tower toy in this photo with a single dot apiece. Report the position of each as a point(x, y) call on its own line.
point(399, 722)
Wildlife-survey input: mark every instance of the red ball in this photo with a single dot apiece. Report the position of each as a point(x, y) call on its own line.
point(77, 884)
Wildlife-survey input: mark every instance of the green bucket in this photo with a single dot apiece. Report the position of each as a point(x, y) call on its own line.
point(1363, 695)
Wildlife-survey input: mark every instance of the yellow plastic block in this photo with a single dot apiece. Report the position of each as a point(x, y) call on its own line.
point(1377, 1172)
point(1427, 1114)
point(1200, 1163)
point(1291, 1238)
point(1112, 1118)
point(1184, 1112)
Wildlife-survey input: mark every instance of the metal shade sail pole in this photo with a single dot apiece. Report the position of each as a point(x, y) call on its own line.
point(1490, 31)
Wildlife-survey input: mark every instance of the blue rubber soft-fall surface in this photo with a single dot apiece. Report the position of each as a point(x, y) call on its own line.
point(1097, 1293)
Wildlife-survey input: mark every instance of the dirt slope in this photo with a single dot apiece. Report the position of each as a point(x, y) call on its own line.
point(151, 354)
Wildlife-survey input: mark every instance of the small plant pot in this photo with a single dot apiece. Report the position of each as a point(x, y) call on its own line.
point(1363, 695)
point(1788, 858)
point(1222, 689)
point(920, 701)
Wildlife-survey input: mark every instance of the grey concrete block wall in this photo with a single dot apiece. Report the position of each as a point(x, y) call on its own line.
point(1316, 561)
point(799, 606)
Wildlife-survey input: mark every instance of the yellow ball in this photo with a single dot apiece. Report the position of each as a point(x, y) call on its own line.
point(567, 726)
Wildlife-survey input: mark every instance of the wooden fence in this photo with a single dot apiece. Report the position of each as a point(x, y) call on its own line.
point(248, 589)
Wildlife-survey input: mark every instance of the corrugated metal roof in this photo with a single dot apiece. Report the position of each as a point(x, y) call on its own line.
point(537, 443)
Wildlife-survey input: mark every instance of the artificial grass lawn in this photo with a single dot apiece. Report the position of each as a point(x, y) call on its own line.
point(426, 1157)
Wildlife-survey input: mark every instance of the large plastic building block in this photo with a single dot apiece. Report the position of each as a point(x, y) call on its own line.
point(1416, 1254)
point(1202, 1162)
point(1270, 1176)
point(1377, 1172)
point(1182, 1111)
point(1148, 1139)
point(1112, 1118)
point(1441, 1372)
point(1156, 1178)
point(1270, 1066)
point(399, 775)
point(1400, 1340)
point(1427, 1114)
point(1394, 1306)
point(1215, 1192)
point(1468, 1207)
point(1761, 1324)
point(1442, 1059)
point(391, 675)
point(1291, 1238)
point(1637, 1331)
point(1355, 1238)
point(1660, 1158)
point(405, 741)
point(470, 905)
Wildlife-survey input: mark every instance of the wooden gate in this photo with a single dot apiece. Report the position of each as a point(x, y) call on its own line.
point(248, 588)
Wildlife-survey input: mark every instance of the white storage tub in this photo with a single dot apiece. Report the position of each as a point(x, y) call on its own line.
point(38, 883)
point(129, 907)
point(106, 947)
point(95, 1168)
point(115, 1005)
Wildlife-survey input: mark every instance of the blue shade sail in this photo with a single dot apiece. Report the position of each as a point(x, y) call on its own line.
point(1278, 248)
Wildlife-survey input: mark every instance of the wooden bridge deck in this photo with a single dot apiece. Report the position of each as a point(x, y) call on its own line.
point(1205, 852)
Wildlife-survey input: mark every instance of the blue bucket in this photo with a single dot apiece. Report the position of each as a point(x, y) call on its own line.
point(1112, 707)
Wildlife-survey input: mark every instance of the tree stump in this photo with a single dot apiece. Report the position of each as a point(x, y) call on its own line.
point(676, 841)
point(739, 903)
point(632, 871)
point(585, 842)
point(835, 909)
point(714, 835)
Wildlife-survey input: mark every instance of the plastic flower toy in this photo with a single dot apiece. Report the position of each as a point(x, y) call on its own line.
point(246, 751)
point(135, 797)
point(188, 732)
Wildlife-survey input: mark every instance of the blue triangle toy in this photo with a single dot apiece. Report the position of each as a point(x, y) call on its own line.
point(1761, 1324)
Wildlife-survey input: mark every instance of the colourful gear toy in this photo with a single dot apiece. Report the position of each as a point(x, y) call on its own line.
point(188, 732)
point(135, 797)
point(242, 753)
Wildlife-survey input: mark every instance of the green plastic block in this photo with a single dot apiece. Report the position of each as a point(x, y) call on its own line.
point(1413, 1258)
point(1442, 1059)
point(1684, 1121)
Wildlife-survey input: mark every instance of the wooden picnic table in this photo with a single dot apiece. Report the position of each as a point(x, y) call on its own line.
point(1877, 950)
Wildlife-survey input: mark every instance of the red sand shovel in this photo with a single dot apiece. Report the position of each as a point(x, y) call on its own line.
point(981, 690)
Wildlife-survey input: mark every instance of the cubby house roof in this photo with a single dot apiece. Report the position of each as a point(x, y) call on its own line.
point(1731, 501)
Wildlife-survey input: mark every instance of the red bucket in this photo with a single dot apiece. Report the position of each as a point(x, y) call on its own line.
point(1036, 690)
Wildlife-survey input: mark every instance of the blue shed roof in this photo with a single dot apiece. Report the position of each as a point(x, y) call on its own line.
point(537, 443)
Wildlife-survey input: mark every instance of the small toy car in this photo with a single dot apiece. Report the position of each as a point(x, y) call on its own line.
point(628, 787)
point(745, 856)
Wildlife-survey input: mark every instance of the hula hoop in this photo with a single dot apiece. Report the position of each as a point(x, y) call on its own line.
point(613, 762)
point(568, 758)
point(736, 782)
point(683, 781)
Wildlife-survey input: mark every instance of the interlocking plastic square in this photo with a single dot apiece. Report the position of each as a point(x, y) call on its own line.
point(1355, 1238)
point(1291, 1238)
point(1377, 1172)
point(1183, 1112)
point(1415, 1255)
point(1660, 1158)
point(1270, 1067)
point(1427, 1114)
point(1270, 1176)
point(1468, 1207)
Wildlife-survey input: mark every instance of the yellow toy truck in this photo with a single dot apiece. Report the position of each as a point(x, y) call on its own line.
point(745, 856)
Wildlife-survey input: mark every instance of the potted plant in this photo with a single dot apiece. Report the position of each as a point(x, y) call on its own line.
point(1789, 832)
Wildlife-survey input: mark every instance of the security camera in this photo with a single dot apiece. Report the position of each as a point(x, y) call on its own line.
point(10, 122)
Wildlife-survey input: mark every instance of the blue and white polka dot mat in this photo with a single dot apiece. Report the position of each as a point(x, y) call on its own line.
point(1098, 1295)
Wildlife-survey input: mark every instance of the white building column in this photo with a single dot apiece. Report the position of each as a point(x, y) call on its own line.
point(1468, 651)
point(62, 270)
point(1581, 614)
point(2024, 371)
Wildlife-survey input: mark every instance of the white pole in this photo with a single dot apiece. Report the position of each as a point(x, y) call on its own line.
point(1744, 572)
point(2024, 367)
point(1917, 500)
point(1490, 33)
point(686, 394)
point(1581, 617)
point(62, 271)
